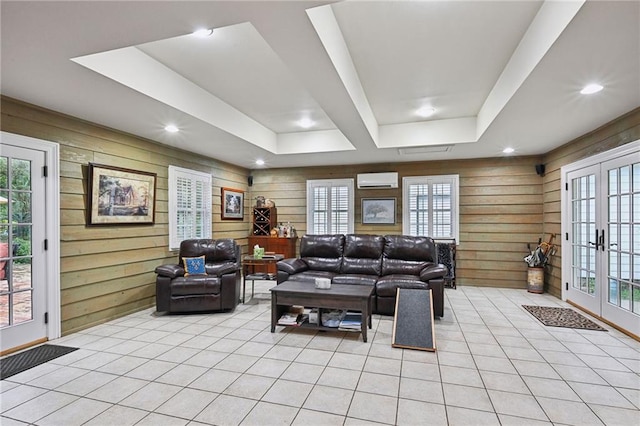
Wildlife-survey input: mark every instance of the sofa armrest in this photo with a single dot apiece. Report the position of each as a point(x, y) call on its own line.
point(292, 266)
point(171, 271)
point(432, 272)
point(230, 290)
point(222, 269)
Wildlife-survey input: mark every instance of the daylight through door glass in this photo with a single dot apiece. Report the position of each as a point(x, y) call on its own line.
point(16, 290)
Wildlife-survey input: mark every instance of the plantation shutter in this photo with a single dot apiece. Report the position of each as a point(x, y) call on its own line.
point(330, 206)
point(189, 205)
point(430, 206)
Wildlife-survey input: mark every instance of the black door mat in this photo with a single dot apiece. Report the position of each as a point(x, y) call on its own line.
point(561, 317)
point(22, 361)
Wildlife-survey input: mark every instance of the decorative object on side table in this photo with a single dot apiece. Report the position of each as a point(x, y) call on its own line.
point(258, 252)
point(120, 196)
point(232, 204)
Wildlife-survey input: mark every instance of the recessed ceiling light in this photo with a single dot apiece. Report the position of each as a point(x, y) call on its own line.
point(591, 88)
point(306, 123)
point(260, 162)
point(508, 150)
point(171, 128)
point(426, 111)
point(203, 32)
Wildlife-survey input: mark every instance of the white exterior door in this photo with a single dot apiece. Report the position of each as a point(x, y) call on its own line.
point(584, 238)
point(23, 292)
point(620, 245)
point(601, 224)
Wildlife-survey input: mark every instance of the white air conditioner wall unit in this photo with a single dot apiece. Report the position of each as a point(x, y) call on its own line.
point(378, 180)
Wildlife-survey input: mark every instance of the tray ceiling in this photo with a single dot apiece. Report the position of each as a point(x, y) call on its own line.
point(497, 74)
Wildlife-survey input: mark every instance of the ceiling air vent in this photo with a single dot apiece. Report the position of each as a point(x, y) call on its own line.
point(425, 149)
point(378, 180)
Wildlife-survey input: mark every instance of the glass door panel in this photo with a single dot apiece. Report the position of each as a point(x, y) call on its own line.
point(22, 289)
point(622, 246)
point(584, 237)
point(16, 287)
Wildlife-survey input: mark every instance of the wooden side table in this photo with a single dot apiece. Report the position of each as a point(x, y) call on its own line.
point(249, 266)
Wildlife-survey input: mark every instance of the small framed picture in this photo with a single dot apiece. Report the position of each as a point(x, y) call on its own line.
point(232, 204)
point(120, 196)
point(378, 211)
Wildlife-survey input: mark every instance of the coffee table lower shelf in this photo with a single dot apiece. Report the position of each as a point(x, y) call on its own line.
point(347, 297)
point(311, 326)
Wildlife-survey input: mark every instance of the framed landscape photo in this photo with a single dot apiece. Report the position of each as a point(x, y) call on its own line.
point(120, 196)
point(232, 204)
point(378, 211)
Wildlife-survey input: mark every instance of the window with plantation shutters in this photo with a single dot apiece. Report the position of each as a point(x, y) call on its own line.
point(430, 206)
point(330, 206)
point(189, 205)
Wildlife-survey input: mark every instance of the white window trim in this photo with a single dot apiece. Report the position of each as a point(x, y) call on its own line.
point(455, 207)
point(194, 175)
point(349, 183)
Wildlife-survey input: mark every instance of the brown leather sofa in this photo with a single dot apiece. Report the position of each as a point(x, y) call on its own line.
point(387, 262)
point(216, 290)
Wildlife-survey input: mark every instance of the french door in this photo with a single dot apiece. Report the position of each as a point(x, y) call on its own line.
point(601, 262)
point(29, 241)
point(22, 234)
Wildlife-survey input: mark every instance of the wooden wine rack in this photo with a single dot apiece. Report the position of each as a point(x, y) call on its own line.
point(264, 220)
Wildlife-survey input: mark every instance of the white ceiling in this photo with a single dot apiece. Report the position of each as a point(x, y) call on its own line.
point(501, 73)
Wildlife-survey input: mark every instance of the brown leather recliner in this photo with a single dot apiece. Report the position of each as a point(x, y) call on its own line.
point(218, 289)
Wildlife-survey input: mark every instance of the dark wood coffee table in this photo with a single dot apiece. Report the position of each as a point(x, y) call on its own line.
point(339, 296)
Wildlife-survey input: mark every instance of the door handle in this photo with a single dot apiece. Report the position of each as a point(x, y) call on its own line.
point(597, 243)
point(602, 239)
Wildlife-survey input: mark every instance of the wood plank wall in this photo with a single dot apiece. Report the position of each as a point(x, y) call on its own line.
point(107, 271)
point(618, 132)
point(500, 209)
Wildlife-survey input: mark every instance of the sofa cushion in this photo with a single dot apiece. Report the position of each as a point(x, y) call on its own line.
point(215, 251)
point(292, 266)
point(195, 284)
point(194, 266)
point(311, 276)
point(404, 254)
point(409, 248)
point(362, 254)
point(219, 269)
point(322, 252)
point(388, 285)
point(404, 267)
point(364, 279)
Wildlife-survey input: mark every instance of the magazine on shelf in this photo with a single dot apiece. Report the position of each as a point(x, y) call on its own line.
point(352, 321)
point(288, 318)
point(295, 316)
point(332, 318)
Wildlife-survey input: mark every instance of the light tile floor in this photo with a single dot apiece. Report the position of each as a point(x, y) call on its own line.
point(495, 365)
